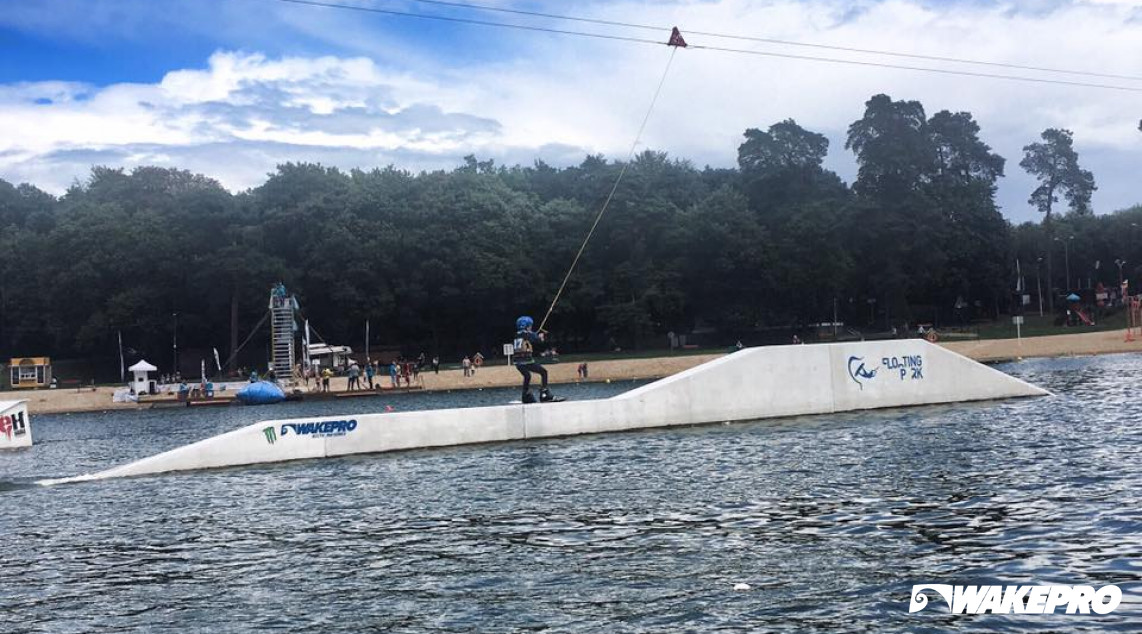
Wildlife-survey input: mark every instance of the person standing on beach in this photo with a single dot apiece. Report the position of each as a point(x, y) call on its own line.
point(326, 374)
point(354, 376)
point(370, 372)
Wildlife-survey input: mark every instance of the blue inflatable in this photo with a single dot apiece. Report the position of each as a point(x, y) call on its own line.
point(261, 393)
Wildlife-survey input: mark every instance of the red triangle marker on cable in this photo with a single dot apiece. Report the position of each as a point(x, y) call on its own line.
point(676, 39)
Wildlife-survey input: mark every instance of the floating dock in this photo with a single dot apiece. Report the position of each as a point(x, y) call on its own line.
point(750, 384)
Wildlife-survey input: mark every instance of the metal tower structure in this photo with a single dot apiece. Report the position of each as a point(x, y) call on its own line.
point(282, 327)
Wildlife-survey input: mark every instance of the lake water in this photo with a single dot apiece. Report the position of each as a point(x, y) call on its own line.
point(830, 519)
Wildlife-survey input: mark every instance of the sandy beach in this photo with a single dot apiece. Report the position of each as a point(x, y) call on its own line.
point(1078, 344)
point(65, 400)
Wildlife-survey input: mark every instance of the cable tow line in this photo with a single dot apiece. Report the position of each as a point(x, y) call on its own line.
point(676, 42)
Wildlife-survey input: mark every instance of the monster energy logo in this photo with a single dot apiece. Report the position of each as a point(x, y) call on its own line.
point(271, 435)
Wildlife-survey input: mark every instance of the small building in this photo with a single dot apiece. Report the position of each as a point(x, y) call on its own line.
point(15, 429)
point(141, 383)
point(326, 356)
point(31, 372)
point(829, 330)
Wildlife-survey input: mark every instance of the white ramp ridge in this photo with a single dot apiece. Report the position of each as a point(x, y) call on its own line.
point(746, 385)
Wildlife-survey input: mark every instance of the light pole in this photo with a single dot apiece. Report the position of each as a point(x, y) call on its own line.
point(1121, 263)
point(1039, 284)
point(174, 345)
point(834, 318)
point(1067, 258)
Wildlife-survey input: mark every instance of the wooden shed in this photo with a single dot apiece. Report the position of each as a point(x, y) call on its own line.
point(31, 372)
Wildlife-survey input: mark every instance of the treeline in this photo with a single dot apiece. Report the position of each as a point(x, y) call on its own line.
point(443, 261)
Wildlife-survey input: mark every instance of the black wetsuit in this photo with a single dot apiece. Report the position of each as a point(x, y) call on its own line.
point(524, 357)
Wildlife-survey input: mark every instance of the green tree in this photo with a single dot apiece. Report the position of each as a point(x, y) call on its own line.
point(927, 227)
point(893, 149)
point(782, 167)
point(897, 227)
point(1055, 163)
point(974, 233)
point(442, 261)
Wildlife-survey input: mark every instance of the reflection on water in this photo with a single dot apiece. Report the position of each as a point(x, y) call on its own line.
point(830, 519)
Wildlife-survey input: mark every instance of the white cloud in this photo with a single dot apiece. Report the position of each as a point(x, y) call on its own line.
point(558, 97)
point(241, 99)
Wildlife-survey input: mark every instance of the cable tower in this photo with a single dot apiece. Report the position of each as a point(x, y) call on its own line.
point(282, 328)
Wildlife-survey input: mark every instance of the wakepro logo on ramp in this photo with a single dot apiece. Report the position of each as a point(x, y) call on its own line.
point(319, 429)
point(906, 368)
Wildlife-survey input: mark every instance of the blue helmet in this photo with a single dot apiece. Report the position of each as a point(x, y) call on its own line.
point(523, 323)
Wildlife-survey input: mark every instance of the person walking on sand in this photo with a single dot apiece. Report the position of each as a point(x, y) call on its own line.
point(523, 355)
point(467, 365)
point(354, 378)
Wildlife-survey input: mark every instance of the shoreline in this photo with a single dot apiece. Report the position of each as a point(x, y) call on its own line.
point(84, 400)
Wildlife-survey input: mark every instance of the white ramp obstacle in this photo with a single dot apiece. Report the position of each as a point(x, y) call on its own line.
point(15, 428)
point(746, 385)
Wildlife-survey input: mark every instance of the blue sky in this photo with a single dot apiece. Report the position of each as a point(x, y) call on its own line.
point(111, 41)
point(231, 88)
